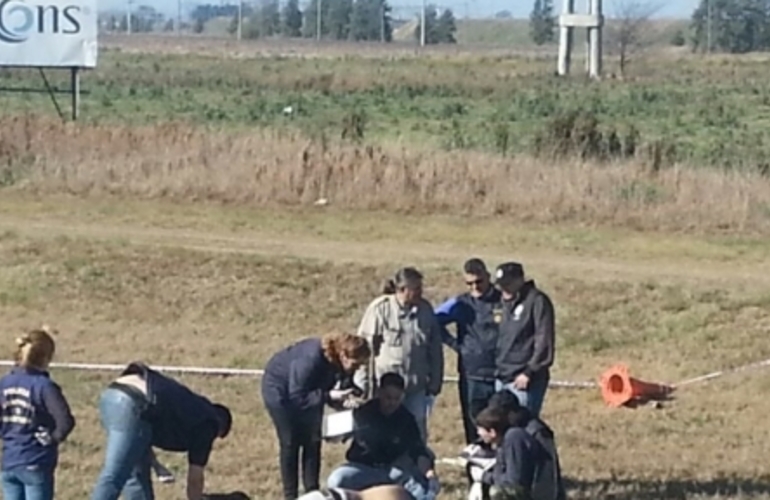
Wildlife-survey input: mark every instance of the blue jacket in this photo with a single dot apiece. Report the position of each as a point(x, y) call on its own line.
point(35, 419)
point(299, 377)
point(477, 321)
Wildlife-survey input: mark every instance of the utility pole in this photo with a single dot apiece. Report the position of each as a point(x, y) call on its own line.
point(708, 26)
point(422, 25)
point(179, 17)
point(382, 21)
point(240, 20)
point(318, 21)
point(128, 17)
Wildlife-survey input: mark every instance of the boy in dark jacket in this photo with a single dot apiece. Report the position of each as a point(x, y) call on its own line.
point(387, 447)
point(518, 455)
point(547, 481)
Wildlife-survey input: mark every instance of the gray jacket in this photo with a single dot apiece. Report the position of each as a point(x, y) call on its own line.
point(404, 340)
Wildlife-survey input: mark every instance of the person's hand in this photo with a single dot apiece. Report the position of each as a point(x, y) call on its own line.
point(339, 394)
point(352, 403)
point(521, 382)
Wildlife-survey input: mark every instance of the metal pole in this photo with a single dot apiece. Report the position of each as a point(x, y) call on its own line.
point(179, 17)
point(382, 21)
point(75, 88)
point(240, 19)
point(128, 18)
point(318, 21)
point(422, 25)
point(708, 23)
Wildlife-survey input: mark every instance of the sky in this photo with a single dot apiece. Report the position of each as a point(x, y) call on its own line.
point(476, 8)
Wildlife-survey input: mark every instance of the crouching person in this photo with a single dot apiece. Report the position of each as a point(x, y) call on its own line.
point(144, 408)
point(387, 446)
point(518, 457)
point(35, 420)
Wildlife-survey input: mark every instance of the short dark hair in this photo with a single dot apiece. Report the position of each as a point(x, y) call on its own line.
point(505, 400)
point(393, 379)
point(508, 402)
point(225, 419)
point(475, 266)
point(493, 418)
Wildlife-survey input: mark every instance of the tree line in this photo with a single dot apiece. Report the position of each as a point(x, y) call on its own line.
point(354, 20)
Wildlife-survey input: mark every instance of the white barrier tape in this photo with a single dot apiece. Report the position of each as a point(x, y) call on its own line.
point(257, 373)
point(237, 372)
point(712, 375)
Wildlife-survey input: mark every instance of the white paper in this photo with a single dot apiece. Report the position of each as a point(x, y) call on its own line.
point(337, 425)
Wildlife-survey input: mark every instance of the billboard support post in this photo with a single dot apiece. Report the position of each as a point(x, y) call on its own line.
point(75, 89)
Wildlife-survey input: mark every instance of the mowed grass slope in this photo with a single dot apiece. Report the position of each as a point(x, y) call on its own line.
point(115, 301)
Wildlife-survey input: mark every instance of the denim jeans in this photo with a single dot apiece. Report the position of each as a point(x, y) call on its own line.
point(474, 397)
point(358, 477)
point(533, 396)
point(127, 460)
point(28, 483)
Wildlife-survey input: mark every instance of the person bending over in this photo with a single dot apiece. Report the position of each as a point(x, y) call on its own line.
point(387, 447)
point(144, 408)
point(298, 382)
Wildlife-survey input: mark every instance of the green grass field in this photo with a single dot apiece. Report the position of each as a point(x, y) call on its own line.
point(178, 223)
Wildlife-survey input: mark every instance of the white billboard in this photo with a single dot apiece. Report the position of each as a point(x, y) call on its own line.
point(48, 33)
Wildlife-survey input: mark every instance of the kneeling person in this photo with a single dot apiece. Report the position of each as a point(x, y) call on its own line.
point(144, 408)
point(519, 455)
point(387, 447)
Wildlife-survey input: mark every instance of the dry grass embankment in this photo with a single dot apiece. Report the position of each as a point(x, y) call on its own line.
point(273, 168)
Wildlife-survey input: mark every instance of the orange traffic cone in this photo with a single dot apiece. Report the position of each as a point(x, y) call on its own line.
point(619, 388)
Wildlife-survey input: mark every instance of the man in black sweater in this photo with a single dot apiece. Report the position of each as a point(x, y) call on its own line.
point(387, 447)
point(525, 345)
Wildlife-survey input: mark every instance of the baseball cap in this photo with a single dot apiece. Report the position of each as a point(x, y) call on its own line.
point(508, 271)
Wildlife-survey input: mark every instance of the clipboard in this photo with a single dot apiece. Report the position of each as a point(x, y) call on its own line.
point(338, 425)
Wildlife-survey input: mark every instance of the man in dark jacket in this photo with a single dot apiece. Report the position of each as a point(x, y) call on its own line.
point(387, 447)
point(525, 346)
point(476, 315)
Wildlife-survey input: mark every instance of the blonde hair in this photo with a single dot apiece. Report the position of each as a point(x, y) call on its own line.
point(35, 348)
point(352, 346)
